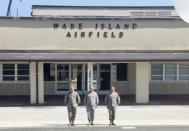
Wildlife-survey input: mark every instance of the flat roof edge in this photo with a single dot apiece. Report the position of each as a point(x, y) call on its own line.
point(88, 17)
point(75, 57)
point(94, 51)
point(102, 7)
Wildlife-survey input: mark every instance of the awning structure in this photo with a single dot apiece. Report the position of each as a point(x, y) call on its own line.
point(92, 57)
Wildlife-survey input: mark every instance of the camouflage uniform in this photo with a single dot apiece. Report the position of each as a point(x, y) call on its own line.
point(112, 100)
point(91, 101)
point(72, 100)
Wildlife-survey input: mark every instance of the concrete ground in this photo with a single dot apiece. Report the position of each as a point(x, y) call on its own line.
point(56, 116)
point(163, 110)
point(99, 129)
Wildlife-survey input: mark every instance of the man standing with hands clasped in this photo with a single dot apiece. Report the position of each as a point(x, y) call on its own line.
point(72, 100)
point(112, 100)
point(91, 101)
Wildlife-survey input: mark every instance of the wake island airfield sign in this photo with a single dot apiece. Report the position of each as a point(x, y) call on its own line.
point(102, 30)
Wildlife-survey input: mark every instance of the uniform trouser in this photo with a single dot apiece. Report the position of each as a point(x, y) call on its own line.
point(72, 113)
point(112, 112)
point(90, 113)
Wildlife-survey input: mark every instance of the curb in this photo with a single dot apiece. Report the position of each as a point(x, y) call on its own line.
point(85, 125)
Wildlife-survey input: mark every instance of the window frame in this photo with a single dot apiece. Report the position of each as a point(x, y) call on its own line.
point(177, 73)
point(126, 73)
point(180, 74)
point(163, 72)
point(168, 75)
point(15, 74)
point(50, 77)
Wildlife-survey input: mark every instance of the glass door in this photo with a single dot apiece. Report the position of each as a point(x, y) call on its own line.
point(105, 77)
point(69, 75)
point(77, 76)
point(62, 78)
point(101, 77)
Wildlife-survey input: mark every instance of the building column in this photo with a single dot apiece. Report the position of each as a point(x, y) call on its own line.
point(83, 77)
point(142, 82)
point(89, 75)
point(33, 95)
point(40, 83)
point(1, 72)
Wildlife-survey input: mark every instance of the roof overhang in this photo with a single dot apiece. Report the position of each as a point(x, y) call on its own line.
point(93, 56)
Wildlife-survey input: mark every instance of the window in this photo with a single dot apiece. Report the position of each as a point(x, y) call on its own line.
point(157, 72)
point(63, 72)
point(169, 72)
point(183, 72)
point(8, 72)
point(49, 72)
point(15, 72)
point(95, 72)
point(121, 72)
point(23, 72)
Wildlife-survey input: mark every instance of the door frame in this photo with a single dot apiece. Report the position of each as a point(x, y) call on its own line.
point(83, 79)
point(56, 81)
point(83, 91)
point(99, 76)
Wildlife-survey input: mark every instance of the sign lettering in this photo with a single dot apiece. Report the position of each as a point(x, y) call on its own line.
point(99, 30)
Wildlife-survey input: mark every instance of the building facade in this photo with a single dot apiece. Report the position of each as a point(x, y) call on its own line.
point(141, 50)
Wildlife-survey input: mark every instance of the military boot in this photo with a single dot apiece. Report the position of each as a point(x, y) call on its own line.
point(92, 123)
point(110, 122)
point(70, 123)
point(113, 123)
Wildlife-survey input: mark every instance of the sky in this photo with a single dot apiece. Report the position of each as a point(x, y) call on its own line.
point(24, 8)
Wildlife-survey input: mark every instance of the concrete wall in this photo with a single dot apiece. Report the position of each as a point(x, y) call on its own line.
point(24, 88)
point(142, 82)
point(150, 34)
point(49, 88)
point(123, 87)
point(132, 78)
point(14, 88)
point(169, 88)
point(129, 87)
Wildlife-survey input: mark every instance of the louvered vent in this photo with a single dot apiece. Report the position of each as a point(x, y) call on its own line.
point(164, 13)
point(137, 14)
point(150, 13)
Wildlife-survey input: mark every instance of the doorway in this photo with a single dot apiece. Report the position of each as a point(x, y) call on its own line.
point(105, 77)
point(68, 75)
point(62, 78)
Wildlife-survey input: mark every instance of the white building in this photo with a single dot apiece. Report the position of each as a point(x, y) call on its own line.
point(143, 51)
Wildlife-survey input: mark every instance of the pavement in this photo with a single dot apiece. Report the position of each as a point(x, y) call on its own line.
point(100, 129)
point(56, 116)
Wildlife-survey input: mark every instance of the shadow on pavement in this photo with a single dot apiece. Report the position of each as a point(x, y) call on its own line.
point(16, 101)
